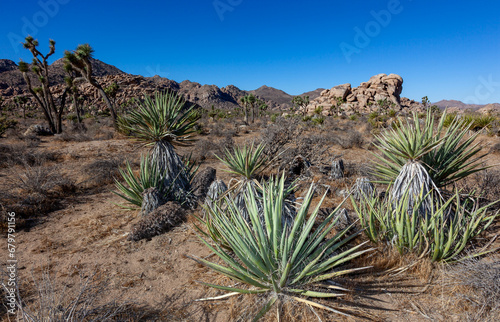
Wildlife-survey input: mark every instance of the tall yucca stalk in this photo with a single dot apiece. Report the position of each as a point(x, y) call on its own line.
point(417, 158)
point(276, 261)
point(162, 122)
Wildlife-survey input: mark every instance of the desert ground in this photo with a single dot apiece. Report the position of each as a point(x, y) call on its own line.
point(71, 234)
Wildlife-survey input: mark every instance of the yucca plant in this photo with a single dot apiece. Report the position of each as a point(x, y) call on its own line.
point(442, 234)
point(248, 163)
point(148, 177)
point(162, 122)
point(421, 157)
point(276, 261)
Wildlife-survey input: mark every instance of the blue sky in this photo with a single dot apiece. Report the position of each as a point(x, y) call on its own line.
point(442, 49)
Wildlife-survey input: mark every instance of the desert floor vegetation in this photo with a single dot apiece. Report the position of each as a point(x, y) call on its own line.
point(284, 242)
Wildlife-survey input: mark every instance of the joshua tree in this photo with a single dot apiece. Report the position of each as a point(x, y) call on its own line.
point(162, 122)
point(72, 78)
point(300, 103)
point(20, 102)
point(249, 102)
point(80, 60)
point(112, 91)
point(42, 94)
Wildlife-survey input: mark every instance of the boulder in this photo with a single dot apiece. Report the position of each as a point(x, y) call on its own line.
point(340, 91)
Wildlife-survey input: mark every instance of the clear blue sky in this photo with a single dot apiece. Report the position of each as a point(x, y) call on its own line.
point(442, 49)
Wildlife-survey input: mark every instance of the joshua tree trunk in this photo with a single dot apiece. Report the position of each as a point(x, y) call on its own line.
point(105, 98)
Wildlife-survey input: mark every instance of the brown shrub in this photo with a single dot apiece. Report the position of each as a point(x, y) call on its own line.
point(158, 222)
point(101, 172)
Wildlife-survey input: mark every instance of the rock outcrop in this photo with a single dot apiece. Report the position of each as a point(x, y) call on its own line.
point(364, 98)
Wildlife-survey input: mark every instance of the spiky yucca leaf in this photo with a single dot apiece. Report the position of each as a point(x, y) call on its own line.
point(246, 161)
point(447, 157)
point(442, 233)
point(148, 177)
point(166, 117)
point(277, 259)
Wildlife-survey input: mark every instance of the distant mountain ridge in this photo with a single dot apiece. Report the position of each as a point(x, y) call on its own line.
point(456, 104)
point(12, 84)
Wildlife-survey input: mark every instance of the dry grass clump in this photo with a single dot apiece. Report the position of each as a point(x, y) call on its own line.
point(476, 285)
point(49, 299)
point(22, 153)
point(350, 139)
point(276, 136)
point(485, 184)
point(207, 149)
point(101, 172)
point(35, 191)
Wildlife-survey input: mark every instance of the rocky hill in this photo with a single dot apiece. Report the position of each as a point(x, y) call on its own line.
point(457, 105)
point(363, 98)
point(12, 84)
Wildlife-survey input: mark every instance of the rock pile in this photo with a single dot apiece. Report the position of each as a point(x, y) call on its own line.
point(364, 98)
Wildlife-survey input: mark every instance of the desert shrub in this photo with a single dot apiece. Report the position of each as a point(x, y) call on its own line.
point(443, 232)
point(280, 261)
point(21, 154)
point(57, 301)
point(477, 283)
point(6, 124)
point(318, 110)
point(306, 118)
point(474, 122)
point(318, 120)
point(35, 191)
point(205, 149)
point(73, 137)
point(279, 134)
point(101, 172)
point(484, 184)
point(350, 140)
